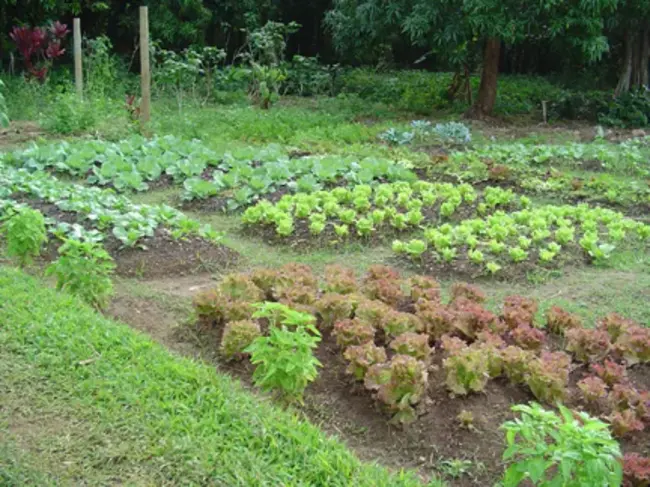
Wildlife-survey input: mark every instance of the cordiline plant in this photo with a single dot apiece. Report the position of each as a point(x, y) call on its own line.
point(40, 46)
point(84, 269)
point(570, 449)
point(25, 233)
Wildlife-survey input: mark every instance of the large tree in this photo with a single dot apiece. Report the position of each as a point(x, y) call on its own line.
point(457, 28)
point(632, 26)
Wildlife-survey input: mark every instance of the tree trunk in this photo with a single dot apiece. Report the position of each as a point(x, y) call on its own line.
point(624, 79)
point(645, 54)
point(487, 92)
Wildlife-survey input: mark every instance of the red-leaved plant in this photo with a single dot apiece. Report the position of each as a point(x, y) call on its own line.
point(610, 372)
point(559, 320)
point(39, 47)
point(413, 344)
point(362, 357)
point(518, 310)
point(636, 470)
point(353, 332)
point(588, 345)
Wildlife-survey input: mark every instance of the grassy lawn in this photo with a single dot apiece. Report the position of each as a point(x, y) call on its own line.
point(87, 400)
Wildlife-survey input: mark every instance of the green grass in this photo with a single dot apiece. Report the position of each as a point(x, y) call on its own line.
point(89, 400)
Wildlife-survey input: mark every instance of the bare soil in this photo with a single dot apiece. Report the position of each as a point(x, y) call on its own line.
point(18, 133)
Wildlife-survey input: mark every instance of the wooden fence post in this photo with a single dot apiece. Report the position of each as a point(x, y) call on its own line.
point(78, 71)
point(145, 73)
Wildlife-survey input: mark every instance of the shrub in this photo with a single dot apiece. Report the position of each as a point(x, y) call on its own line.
point(362, 357)
point(237, 336)
point(467, 291)
point(610, 372)
point(518, 310)
point(548, 376)
point(333, 307)
point(566, 449)
point(528, 337)
point(84, 269)
point(593, 389)
point(558, 320)
point(285, 361)
point(636, 470)
point(466, 367)
point(340, 280)
point(395, 323)
point(25, 233)
point(587, 345)
point(400, 385)
point(413, 344)
point(353, 332)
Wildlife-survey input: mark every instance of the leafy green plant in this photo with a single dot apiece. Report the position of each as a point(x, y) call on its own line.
point(84, 269)
point(570, 449)
point(25, 233)
point(285, 361)
point(412, 344)
point(466, 367)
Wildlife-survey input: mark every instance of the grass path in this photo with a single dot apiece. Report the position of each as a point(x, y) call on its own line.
point(88, 401)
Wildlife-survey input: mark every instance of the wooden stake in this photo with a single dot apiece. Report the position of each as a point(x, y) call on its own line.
point(544, 113)
point(145, 73)
point(78, 72)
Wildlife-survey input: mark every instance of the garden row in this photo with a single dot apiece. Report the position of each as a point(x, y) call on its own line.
point(598, 172)
point(239, 175)
point(363, 209)
point(92, 215)
point(462, 228)
point(398, 338)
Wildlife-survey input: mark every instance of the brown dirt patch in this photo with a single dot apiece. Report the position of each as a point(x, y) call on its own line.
point(18, 133)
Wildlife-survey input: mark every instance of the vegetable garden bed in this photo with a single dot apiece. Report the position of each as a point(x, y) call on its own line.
point(145, 241)
point(445, 371)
